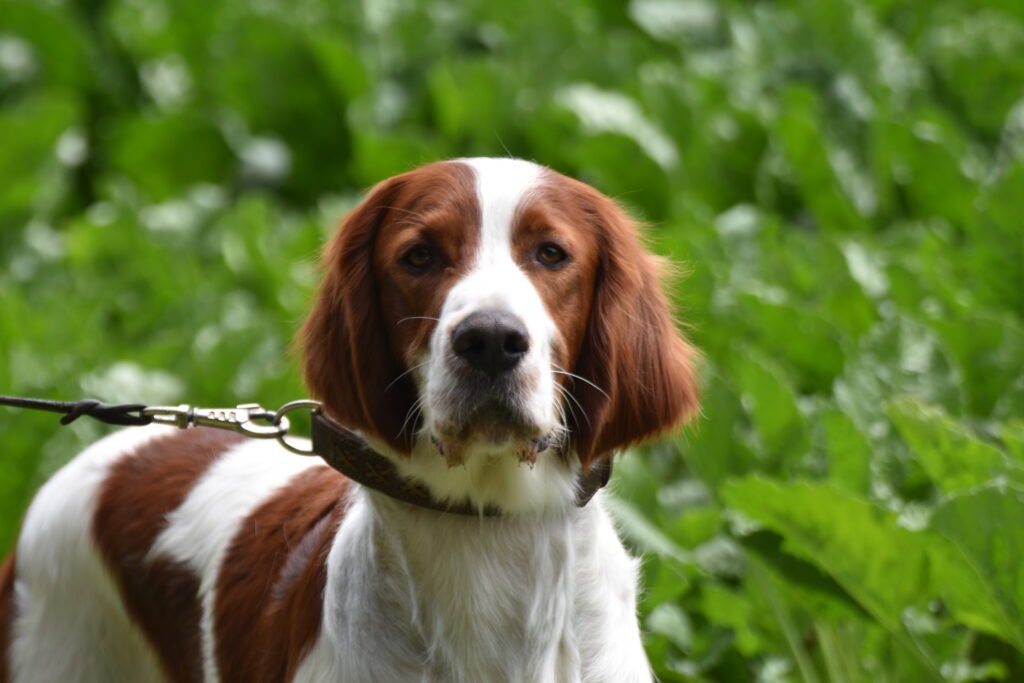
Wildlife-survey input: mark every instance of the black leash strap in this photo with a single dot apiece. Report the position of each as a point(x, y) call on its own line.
point(340, 448)
point(125, 414)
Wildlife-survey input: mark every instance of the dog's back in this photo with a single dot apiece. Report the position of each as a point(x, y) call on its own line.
point(135, 550)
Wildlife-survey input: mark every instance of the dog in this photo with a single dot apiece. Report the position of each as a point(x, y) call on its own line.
point(492, 327)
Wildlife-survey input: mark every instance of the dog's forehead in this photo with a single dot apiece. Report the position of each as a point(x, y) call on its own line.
point(502, 187)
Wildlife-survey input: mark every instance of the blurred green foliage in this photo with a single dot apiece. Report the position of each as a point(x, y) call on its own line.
point(844, 182)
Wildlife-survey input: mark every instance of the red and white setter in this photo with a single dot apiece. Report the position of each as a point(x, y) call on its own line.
point(493, 327)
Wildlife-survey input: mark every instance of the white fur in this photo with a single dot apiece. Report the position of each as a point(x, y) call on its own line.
point(545, 594)
point(540, 598)
point(71, 626)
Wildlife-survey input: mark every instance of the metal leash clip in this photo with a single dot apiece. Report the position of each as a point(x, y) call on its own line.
point(250, 419)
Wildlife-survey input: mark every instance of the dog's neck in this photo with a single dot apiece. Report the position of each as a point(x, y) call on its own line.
point(497, 481)
point(466, 599)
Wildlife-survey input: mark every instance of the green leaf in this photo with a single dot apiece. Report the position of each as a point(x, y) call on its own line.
point(899, 357)
point(848, 452)
point(989, 348)
point(808, 343)
point(1012, 436)
point(806, 149)
point(953, 458)
point(814, 588)
point(712, 447)
point(986, 530)
point(883, 566)
point(975, 54)
point(672, 622)
point(732, 609)
point(58, 38)
point(152, 151)
point(766, 393)
point(29, 131)
point(640, 531)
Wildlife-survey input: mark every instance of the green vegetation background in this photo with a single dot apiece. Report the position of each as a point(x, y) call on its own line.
point(843, 180)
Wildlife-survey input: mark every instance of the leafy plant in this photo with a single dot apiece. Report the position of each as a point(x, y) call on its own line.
point(843, 182)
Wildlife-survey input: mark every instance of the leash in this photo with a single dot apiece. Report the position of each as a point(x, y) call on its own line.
point(341, 448)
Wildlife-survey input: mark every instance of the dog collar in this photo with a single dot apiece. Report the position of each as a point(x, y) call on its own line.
point(348, 453)
point(341, 448)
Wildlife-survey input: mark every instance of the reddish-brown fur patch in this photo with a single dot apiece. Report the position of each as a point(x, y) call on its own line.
point(368, 323)
point(631, 347)
point(567, 292)
point(161, 596)
point(270, 592)
point(6, 614)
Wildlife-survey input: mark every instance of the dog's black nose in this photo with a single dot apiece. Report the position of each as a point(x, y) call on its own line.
point(491, 341)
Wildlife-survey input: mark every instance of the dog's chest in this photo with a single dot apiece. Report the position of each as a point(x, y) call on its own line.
point(455, 600)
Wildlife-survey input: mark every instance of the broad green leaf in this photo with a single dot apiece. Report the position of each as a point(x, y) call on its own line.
point(149, 150)
point(471, 99)
point(859, 544)
point(726, 607)
point(58, 38)
point(988, 348)
point(380, 156)
point(766, 393)
point(805, 341)
point(641, 184)
point(954, 458)
point(848, 452)
point(898, 357)
point(642, 532)
point(986, 529)
point(998, 238)
point(812, 587)
point(883, 566)
point(1012, 435)
point(30, 130)
point(340, 65)
point(807, 153)
point(695, 527)
point(672, 622)
point(712, 447)
point(975, 54)
point(267, 73)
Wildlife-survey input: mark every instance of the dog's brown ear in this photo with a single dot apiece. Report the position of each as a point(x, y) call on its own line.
point(641, 364)
point(346, 360)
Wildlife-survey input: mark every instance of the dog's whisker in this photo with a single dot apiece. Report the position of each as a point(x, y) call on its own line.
point(412, 369)
point(562, 405)
point(417, 317)
point(568, 394)
point(563, 371)
point(414, 412)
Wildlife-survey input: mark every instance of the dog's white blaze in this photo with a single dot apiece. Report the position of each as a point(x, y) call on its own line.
point(200, 530)
point(495, 281)
point(491, 474)
point(503, 186)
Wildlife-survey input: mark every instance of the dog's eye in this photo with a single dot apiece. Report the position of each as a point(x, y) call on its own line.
point(418, 259)
point(551, 255)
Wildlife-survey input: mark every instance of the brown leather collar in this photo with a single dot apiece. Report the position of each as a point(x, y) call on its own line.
point(346, 452)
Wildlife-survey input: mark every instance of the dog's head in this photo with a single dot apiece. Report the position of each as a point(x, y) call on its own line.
point(495, 326)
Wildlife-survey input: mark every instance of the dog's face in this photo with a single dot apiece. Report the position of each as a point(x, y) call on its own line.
point(495, 315)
